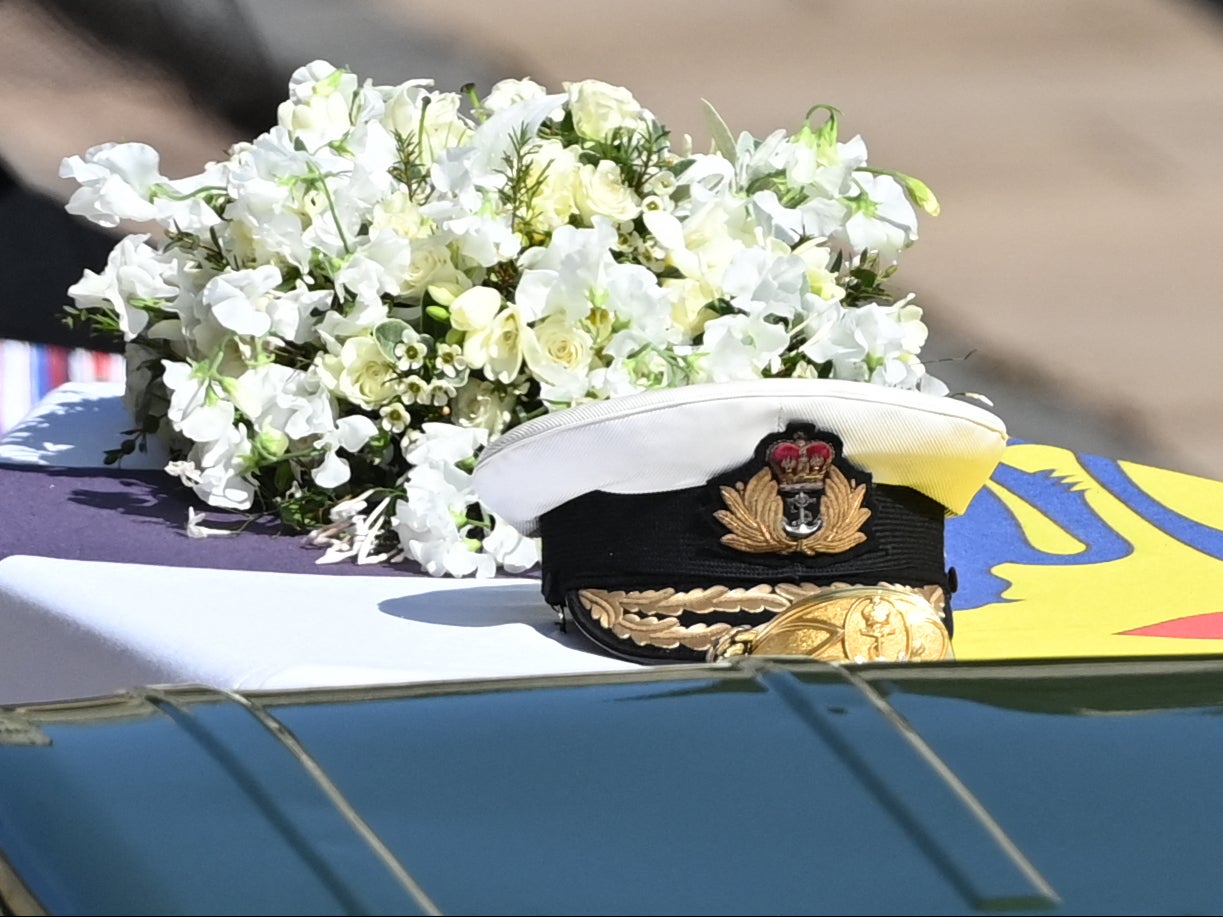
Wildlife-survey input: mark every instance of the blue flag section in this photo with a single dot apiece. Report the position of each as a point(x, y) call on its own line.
point(1065, 554)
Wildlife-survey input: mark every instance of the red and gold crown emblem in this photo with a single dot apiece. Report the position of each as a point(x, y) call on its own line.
point(802, 501)
point(800, 463)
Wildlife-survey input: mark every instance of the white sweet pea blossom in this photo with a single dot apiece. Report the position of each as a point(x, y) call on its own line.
point(742, 347)
point(264, 222)
point(701, 243)
point(135, 279)
point(569, 276)
point(292, 314)
point(240, 299)
point(481, 239)
point(758, 282)
point(495, 138)
point(117, 182)
point(883, 220)
point(512, 550)
point(350, 434)
point(823, 168)
point(878, 343)
point(376, 268)
point(320, 98)
point(443, 445)
point(216, 470)
point(197, 408)
point(431, 524)
point(283, 403)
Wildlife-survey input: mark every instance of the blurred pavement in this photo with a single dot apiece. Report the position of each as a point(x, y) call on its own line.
point(1075, 149)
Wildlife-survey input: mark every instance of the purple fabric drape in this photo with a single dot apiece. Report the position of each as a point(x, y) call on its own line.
point(141, 517)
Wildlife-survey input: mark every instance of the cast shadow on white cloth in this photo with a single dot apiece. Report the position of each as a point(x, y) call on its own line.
point(73, 427)
point(74, 628)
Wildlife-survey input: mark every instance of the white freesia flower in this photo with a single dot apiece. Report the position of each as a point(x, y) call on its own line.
point(392, 276)
point(495, 332)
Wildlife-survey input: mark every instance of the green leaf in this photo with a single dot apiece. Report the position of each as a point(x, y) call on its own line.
point(723, 140)
point(388, 334)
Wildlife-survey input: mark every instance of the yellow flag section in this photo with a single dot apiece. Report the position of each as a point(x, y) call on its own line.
point(1065, 554)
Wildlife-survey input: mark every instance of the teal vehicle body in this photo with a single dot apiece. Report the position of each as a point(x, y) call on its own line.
point(763, 785)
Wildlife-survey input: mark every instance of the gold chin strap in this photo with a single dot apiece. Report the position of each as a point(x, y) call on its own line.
point(847, 624)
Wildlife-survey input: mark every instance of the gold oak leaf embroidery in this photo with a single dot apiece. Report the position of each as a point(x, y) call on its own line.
point(754, 516)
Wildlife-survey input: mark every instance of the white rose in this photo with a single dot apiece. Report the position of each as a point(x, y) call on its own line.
point(554, 167)
point(479, 404)
point(361, 373)
point(602, 192)
point(411, 107)
point(556, 343)
point(599, 108)
point(431, 265)
point(511, 92)
point(398, 213)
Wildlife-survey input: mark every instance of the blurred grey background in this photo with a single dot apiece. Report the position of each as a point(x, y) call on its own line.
point(1075, 147)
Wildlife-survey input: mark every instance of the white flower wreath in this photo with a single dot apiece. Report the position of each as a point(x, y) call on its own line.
point(331, 323)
